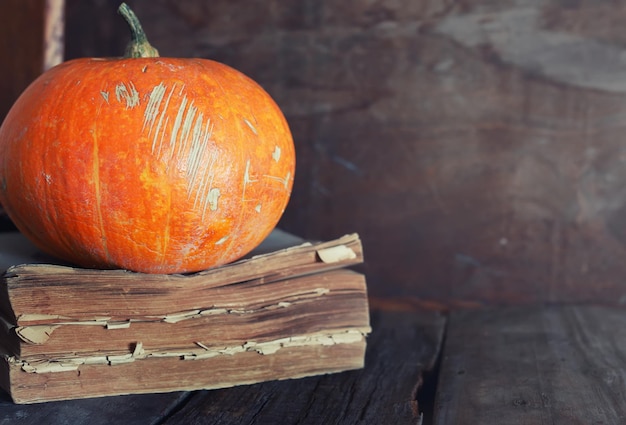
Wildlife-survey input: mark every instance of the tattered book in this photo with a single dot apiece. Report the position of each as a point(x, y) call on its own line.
point(289, 310)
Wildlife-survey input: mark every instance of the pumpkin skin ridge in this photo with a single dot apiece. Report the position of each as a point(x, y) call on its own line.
point(104, 235)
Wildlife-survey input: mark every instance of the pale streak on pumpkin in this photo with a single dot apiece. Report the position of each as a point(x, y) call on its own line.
point(193, 137)
point(160, 123)
point(222, 240)
point(284, 181)
point(189, 139)
point(105, 95)
point(131, 97)
point(152, 108)
point(212, 198)
point(199, 145)
point(246, 180)
point(206, 195)
point(186, 129)
point(276, 153)
point(98, 195)
point(177, 123)
point(249, 124)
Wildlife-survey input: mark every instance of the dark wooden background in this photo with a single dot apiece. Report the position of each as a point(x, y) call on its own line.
point(21, 52)
point(477, 146)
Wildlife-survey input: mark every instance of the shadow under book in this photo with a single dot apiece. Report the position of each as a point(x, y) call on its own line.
point(290, 310)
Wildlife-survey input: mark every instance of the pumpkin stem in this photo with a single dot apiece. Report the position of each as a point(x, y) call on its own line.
point(138, 46)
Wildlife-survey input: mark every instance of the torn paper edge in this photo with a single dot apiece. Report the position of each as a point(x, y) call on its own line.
point(335, 254)
point(31, 334)
point(68, 364)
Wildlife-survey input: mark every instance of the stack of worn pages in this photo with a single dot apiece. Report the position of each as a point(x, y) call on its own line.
point(290, 310)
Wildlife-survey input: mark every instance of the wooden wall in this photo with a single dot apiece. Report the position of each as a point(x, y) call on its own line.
point(478, 147)
point(31, 41)
point(21, 52)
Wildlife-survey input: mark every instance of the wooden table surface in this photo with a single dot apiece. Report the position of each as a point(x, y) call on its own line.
point(559, 364)
point(534, 365)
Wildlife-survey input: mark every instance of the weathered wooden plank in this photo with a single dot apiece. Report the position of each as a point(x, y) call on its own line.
point(21, 52)
point(126, 410)
point(402, 347)
point(476, 146)
point(31, 40)
point(556, 365)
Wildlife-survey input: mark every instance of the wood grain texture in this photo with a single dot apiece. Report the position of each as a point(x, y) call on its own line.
point(476, 146)
point(127, 410)
point(31, 40)
point(21, 52)
point(54, 33)
point(402, 347)
point(557, 365)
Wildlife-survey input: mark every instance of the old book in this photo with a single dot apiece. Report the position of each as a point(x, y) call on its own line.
point(290, 310)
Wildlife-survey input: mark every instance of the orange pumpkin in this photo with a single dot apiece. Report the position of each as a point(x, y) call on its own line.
point(150, 164)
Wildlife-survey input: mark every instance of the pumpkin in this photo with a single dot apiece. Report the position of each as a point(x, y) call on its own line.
point(145, 163)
